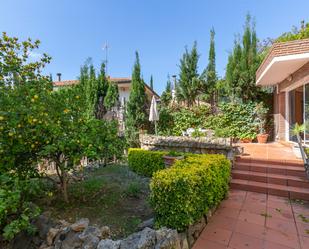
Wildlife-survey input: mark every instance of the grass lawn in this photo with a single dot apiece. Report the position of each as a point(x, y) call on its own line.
point(111, 196)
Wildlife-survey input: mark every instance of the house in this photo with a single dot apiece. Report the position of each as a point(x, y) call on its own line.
point(123, 87)
point(286, 68)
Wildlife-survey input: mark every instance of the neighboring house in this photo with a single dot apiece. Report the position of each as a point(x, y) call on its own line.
point(286, 67)
point(124, 85)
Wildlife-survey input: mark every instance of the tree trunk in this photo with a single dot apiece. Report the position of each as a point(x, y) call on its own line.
point(65, 189)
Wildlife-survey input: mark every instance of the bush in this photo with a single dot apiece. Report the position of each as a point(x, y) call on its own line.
point(182, 194)
point(234, 121)
point(145, 162)
point(174, 120)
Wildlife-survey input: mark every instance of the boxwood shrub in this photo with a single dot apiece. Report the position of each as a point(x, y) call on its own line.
point(182, 194)
point(145, 162)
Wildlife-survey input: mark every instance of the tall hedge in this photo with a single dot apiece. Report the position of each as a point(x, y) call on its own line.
point(182, 194)
point(145, 162)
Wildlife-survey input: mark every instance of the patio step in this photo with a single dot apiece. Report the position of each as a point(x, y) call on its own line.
point(273, 189)
point(285, 180)
point(271, 168)
point(276, 177)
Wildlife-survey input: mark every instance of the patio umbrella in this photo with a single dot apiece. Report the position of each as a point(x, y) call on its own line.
point(153, 113)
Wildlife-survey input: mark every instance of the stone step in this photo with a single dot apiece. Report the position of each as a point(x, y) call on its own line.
point(296, 163)
point(285, 180)
point(271, 168)
point(273, 189)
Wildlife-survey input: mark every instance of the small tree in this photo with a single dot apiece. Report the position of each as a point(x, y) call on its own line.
point(137, 105)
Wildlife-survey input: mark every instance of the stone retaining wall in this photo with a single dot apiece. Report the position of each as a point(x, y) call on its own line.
point(200, 145)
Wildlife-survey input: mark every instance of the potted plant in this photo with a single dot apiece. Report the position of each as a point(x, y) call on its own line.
point(247, 137)
point(261, 113)
point(171, 157)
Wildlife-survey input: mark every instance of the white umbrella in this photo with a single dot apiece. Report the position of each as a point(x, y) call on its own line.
point(153, 112)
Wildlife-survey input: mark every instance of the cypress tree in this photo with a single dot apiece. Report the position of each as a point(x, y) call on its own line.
point(136, 115)
point(112, 96)
point(102, 90)
point(166, 96)
point(189, 83)
point(151, 82)
point(210, 74)
point(242, 65)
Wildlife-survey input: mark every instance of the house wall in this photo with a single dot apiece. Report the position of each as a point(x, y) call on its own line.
point(299, 78)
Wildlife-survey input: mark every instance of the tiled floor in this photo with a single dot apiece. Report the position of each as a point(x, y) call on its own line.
point(270, 151)
point(253, 220)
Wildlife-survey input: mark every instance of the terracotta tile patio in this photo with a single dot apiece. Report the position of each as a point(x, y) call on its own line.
point(254, 220)
point(269, 151)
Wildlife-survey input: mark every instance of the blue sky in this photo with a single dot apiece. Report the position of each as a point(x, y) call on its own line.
point(71, 31)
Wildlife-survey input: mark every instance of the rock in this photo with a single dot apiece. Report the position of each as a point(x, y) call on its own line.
point(90, 242)
point(105, 232)
point(90, 230)
point(108, 244)
point(80, 225)
point(195, 230)
point(147, 223)
point(144, 239)
point(51, 235)
point(71, 241)
point(167, 239)
point(183, 241)
point(43, 223)
point(64, 223)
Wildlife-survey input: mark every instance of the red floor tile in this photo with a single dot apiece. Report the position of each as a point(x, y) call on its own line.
point(303, 229)
point(218, 235)
point(279, 205)
point(273, 245)
point(281, 214)
point(281, 225)
point(206, 244)
point(223, 222)
point(289, 240)
point(304, 242)
point(250, 229)
point(252, 218)
point(242, 241)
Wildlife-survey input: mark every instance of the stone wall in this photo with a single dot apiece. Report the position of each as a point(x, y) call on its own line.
point(200, 145)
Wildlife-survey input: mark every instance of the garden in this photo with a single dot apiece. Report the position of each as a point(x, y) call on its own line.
point(70, 179)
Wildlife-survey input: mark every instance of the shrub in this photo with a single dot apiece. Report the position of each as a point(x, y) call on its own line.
point(145, 162)
point(182, 194)
point(174, 120)
point(234, 121)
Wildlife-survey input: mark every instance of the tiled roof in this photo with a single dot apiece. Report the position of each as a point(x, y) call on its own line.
point(283, 49)
point(118, 80)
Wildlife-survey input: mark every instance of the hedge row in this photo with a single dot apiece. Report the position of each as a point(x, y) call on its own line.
point(145, 162)
point(182, 194)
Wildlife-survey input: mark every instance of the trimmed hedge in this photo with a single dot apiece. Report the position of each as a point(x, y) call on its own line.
point(182, 194)
point(145, 162)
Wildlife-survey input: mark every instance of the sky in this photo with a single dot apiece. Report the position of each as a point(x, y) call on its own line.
point(71, 31)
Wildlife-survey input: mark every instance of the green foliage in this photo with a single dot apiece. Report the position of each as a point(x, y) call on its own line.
point(189, 82)
point(145, 162)
point(182, 194)
point(234, 121)
point(16, 209)
point(242, 65)
point(136, 115)
point(174, 120)
point(112, 97)
point(101, 93)
point(296, 33)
